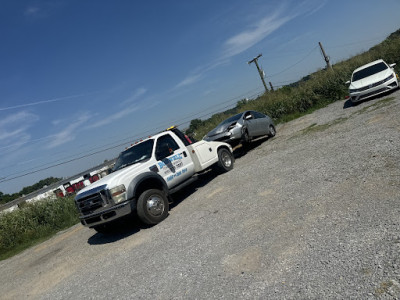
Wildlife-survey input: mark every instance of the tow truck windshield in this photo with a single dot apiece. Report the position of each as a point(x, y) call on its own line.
point(133, 155)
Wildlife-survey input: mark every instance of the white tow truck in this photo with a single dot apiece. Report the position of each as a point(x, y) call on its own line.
point(145, 175)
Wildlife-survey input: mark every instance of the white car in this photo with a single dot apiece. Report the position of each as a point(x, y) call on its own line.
point(372, 79)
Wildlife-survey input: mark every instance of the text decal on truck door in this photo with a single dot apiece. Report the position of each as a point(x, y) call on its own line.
point(162, 164)
point(183, 171)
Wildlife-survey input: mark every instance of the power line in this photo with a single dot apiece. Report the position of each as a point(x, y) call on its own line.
point(288, 68)
point(50, 165)
point(132, 138)
point(124, 139)
point(353, 43)
point(46, 101)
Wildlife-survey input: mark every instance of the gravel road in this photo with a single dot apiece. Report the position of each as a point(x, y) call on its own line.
point(313, 213)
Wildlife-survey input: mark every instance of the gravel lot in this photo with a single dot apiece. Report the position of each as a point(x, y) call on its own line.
point(310, 214)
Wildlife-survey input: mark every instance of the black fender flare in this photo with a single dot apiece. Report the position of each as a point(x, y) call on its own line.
point(136, 182)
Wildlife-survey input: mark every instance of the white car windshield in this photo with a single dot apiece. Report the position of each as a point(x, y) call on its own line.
point(134, 155)
point(371, 70)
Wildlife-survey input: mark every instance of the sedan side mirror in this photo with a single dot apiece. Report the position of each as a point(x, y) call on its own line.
point(347, 82)
point(392, 65)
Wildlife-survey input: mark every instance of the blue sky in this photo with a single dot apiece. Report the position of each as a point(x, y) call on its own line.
point(77, 77)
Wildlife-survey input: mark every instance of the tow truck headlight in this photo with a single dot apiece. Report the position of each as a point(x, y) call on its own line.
point(118, 193)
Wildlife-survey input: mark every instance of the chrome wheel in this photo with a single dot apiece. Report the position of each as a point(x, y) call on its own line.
point(155, 206)
point(226, 159)
point(152, 206)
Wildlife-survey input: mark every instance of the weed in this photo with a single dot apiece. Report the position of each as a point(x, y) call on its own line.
point(34, 223)
point(379, 104)
point(383, 288)
point(316, 128)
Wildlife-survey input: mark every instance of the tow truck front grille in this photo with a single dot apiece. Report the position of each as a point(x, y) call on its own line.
point(90, 204)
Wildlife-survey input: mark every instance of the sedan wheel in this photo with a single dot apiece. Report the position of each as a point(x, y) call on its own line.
point(272, 131)
point(245, 136)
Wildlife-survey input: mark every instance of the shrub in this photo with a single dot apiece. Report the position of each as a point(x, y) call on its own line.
point(33, 222)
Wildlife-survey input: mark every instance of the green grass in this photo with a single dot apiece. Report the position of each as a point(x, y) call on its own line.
point(34, 223)
point(315, 128)
point(377, 105)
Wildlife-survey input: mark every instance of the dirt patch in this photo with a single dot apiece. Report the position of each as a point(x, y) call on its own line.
point(247, 261)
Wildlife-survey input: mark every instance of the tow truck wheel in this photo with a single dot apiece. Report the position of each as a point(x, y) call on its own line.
point(152, 206)
point(225, 160)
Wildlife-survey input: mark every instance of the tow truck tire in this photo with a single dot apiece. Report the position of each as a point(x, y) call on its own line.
point(225, 160)
point(152, 206)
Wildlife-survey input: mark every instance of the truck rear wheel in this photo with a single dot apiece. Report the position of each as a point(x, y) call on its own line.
point(225, 160)
point(152, 206)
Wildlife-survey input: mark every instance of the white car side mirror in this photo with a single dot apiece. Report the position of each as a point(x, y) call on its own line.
point(347, 82)
point(392, 65)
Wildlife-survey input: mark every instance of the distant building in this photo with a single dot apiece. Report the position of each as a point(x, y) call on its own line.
point(63, 187)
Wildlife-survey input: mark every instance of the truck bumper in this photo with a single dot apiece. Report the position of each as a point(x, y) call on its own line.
point(107, 215)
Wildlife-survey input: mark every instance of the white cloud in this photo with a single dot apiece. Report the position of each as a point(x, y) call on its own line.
point(69, 133)
point(259, 31)
point(43, 9)
point(32, 11)
point(115, 117)
point(198, 73)
point(309, 8)
point(129, 105)
point(46, 101)
point(255, 33)
point(13, 128)
point(135, 96)
point(189, 80)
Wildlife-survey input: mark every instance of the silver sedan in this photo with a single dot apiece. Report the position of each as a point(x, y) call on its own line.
point(242, 128)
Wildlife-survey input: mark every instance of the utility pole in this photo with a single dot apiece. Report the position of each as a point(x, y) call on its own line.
point(326, 57)
point(272, 88)
point(260, 72)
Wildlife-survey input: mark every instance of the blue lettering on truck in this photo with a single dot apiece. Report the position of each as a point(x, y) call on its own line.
point(161, 164)
point(183, 171)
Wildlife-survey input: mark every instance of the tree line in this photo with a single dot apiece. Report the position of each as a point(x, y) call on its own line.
point(5, 198)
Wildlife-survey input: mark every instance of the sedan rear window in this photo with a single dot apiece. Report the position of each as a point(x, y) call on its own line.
point(379, 67)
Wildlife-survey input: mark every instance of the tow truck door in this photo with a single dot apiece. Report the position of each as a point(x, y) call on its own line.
point(173, 160)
